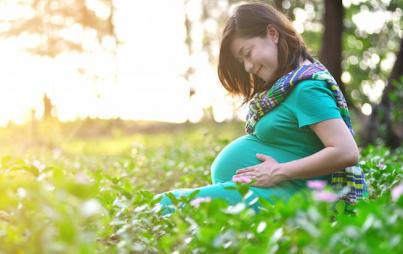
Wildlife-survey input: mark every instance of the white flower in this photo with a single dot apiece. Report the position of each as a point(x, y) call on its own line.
point(90, 208)
point(197, 201)
point(316, 184)
point(326, 196)
point(396, 192)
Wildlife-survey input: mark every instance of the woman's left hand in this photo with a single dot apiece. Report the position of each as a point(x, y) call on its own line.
point(265, 174)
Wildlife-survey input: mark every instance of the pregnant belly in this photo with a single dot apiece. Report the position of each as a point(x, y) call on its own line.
point(241, 153)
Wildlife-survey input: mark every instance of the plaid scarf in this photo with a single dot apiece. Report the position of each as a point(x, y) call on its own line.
point(349, 182)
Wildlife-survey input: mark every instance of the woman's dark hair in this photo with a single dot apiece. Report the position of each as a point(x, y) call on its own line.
point(252, 20)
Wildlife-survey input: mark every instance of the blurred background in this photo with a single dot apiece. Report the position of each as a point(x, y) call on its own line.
point(101, 67)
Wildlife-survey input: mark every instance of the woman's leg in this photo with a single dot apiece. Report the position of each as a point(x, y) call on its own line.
point(225, 191)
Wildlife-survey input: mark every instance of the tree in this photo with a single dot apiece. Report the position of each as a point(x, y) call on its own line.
point(47, 107)
point(51, 20)
point(188, 40)
point(366, 49)
point(381, 117)
point(60, 26)
point(331, 50)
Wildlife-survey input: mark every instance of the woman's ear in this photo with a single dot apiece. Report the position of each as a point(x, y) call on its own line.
point(273, 33)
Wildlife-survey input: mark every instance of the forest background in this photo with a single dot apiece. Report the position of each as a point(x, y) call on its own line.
point(359, 41)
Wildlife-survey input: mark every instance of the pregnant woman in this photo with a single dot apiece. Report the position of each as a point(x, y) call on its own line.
point(298, 126)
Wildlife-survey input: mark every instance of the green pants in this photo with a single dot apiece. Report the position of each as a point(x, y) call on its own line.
point(233, 196)
point(222, 190)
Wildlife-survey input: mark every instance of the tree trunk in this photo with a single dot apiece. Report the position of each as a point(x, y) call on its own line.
point(330, 53)
point(190, 70)
point(382, 113)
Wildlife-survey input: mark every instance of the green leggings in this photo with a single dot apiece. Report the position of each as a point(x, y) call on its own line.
point(233, 196)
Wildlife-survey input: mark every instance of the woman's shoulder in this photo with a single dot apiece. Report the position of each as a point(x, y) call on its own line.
point(310, 88)
point(310, 83)
point(313, 92)
point(313, 102)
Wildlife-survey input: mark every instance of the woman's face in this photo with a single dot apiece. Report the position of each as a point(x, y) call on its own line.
point(258, 54)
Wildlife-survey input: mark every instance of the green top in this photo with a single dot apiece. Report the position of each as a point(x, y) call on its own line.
point(283, 133)
point(287, 126)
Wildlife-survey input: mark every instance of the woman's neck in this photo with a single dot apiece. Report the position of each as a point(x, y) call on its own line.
point(304, 62)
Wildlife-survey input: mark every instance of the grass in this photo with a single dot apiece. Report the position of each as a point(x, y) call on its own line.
point(69, 190)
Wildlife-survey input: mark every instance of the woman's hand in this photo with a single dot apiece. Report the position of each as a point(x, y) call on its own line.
point(266, 174)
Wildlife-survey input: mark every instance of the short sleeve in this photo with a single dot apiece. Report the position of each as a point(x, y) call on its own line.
point(315, 103)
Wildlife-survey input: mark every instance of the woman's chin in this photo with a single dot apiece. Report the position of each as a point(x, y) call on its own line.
point(263, 78)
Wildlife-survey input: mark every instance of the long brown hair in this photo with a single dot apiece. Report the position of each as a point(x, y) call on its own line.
point(251, 20)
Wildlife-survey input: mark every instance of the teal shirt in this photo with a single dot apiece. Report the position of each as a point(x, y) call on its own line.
point(287, 126)
point(284, 134)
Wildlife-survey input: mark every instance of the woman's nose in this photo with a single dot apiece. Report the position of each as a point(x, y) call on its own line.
point(248, 66)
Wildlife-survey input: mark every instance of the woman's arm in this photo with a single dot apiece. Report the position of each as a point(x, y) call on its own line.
point(340, 151)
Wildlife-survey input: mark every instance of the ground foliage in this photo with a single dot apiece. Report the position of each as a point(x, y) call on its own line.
point(96, 195)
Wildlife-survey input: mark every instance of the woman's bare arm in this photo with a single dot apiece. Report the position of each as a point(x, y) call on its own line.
point(340, 151)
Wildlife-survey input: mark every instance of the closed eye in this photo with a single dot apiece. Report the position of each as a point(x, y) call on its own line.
point(246, 55)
